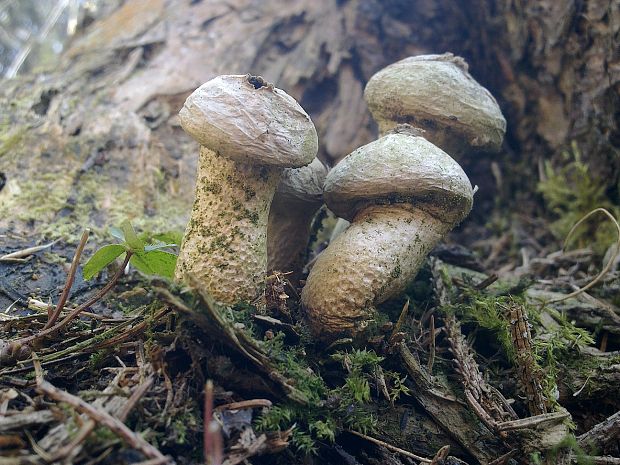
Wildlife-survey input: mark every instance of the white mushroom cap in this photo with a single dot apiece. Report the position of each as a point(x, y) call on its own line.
point(248, 120)
point(436, 93)
point(399, 168)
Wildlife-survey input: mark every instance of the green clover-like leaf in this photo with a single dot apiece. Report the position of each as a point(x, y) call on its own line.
point(155, 262)
point(131, 238)
point(102, 258)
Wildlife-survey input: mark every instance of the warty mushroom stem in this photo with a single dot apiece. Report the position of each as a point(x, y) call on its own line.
point(368, 263)
point(228, 226)
point(402, 194)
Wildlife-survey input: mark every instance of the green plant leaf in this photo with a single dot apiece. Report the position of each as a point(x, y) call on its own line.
point(102, 258)
point(131, 238)
point(155, 262)
point(117, 233)
point(157, 246)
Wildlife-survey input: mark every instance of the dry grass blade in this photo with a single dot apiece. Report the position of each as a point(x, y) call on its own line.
point(608, 265)
point(390, 447)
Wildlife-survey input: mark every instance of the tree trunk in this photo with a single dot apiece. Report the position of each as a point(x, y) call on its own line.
point(97, 138)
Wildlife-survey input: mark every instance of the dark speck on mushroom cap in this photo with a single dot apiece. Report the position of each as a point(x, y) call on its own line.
point(399, 168)
point(262, 125)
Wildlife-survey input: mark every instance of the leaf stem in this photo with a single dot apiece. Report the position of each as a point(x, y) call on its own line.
point(70, 278)
point(75, 312)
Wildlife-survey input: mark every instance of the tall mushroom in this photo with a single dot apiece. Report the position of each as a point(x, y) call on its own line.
point(297, 199)
point(249, 131)
point(402, 194)
point(436, 93)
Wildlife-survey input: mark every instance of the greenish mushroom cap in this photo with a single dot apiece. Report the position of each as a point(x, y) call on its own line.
point(436, 93)
point(399, 168)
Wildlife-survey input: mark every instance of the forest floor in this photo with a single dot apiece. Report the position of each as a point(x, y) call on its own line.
point(465, 367)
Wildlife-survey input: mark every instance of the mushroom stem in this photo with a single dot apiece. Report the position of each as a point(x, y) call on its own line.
point(290, 223)
point(228, 225)
point(297, 199)
point(371, 261)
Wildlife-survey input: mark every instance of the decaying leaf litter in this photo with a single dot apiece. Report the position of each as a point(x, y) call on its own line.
point(288, 377)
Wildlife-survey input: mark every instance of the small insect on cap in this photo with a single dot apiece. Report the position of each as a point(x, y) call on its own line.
point(436, 93)
point(246, 119)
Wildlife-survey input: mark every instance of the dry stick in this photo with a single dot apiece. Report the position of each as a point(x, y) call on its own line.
point(401, 321)
point(104, 418)
point(244, 404)
point(398, 450)
point(208, 416)
point(70, 278)
point(25, 252)
point(75, 312)
point(609, 264)
point(136, 395)
point(529, 374)
point(441, 455)
point(601, 434)
point(213, 447)
point(431, 355)
point(599, 460)
point(38, 305)
point(86, 428)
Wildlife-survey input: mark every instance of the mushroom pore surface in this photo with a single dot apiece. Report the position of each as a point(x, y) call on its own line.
point(248, 131)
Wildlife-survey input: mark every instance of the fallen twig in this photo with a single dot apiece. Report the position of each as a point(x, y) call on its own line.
point(76, 311)
point(601, 434)
point(251, 403)
point(532, 422)
point(610, 262)
point(114, 424)
point(19, 254)
point(390, 447)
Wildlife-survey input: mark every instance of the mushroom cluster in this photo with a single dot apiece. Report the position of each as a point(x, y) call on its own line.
point(402, 193)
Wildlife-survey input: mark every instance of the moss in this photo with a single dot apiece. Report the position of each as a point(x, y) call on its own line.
point(11, 140)
point(328, 409)
point(570, 193)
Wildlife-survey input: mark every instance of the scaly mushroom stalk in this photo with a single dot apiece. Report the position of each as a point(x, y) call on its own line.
point(249, 132)
point(297, 199)
point(402, 194)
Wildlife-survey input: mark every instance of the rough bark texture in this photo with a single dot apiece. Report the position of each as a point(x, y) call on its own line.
point(97, 139)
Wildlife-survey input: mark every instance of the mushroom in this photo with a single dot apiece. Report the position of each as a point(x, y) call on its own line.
point(402, 194)
point(297, 199)
point(249, 131)
point(436, 93)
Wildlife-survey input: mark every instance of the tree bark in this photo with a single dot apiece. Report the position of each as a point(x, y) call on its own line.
point(97, 138)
